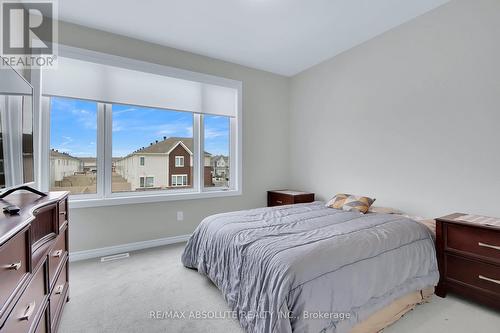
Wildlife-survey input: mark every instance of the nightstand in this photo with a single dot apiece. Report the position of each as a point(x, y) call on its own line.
point(468, 256)
point(288, 197)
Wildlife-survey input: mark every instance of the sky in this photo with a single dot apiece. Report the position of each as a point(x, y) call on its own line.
point(73, 128)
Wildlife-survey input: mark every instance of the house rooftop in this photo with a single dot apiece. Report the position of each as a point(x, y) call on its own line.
point(165, 145)
point(57, 153)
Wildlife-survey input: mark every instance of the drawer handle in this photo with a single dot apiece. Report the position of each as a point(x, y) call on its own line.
point(59, 289)
point(62, 213)
point(28, 312)
point(57, 254)
point(15, 266)
point(488, 279)
point(279, 201)
point(489, 246)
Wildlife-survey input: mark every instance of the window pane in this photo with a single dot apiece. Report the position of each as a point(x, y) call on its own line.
point(146, 143)
point(216, 156)
point(27, 140)
point(179, 161)
point(73, 152)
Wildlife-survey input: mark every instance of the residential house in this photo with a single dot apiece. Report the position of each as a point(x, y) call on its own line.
point(63, 165)
point(163, 164)
point(220, 170)
point(89, 164)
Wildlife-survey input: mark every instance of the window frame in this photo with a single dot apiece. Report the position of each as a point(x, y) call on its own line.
point(104, 195)
point(146, 181)
point(142, 160)
point(180, 158)
point(182, 176)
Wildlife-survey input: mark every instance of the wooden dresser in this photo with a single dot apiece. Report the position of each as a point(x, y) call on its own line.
point(288, 197)
point(469, 259)
point(33, 262)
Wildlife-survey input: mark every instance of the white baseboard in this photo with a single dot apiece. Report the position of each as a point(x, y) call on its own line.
point(110, 250)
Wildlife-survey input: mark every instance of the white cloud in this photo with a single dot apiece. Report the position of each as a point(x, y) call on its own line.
point(86, 118)
point(211, 133)
point(66, 140)
point(119, 112)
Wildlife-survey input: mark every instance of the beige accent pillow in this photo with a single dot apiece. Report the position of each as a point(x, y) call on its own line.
point(337, 201)
point(349, 202)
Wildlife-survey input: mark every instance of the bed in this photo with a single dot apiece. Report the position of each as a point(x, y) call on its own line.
point(309, 268)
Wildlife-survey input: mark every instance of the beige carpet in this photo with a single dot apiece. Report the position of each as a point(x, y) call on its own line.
point(119, 296)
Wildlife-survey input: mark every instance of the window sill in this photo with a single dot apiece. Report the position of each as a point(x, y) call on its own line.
point(150, 198)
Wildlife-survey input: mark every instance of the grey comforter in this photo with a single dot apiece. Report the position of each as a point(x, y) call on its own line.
point(308, 268)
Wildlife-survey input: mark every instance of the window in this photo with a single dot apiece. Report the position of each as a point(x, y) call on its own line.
point(217, 152)
point(103, 133)
point(159, 134)
point(179, 180)
point(73, 136)
point(179, 161)
point(146, 181)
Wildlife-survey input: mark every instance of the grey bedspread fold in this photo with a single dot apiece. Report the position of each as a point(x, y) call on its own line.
point(308, 268)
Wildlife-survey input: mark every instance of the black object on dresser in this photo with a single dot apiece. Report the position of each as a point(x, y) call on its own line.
point(288, 197)
point(33, 262)
point(468, 256)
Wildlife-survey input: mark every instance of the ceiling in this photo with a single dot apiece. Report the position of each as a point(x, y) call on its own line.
point(279, 36)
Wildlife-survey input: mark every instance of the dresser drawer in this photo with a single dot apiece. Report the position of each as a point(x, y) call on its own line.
point(22, 317)
point(63, 213)
point(474, 273)
point(13, 265)
point(57, 255)
point(476, 241)
point(42, 324)
point(58, 295)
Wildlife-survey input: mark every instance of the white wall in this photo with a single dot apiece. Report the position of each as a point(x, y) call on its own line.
point(411, 117)
point(265, 136)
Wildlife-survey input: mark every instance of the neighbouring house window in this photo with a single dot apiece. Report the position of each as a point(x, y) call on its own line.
point(179, 180)
point(179, 161)
point(73, 137)
point(146, 181)
point(174, 119)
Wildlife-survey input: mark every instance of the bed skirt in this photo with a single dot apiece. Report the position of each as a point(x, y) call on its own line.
point(394, 311)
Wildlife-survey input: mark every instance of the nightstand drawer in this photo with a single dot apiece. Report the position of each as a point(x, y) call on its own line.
point(277, 199)
point(288, 197)
point(475, 241)
point(474, 273)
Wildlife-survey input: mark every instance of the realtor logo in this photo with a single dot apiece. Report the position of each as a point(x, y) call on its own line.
point(28, 33)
